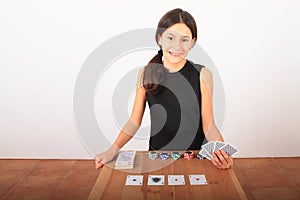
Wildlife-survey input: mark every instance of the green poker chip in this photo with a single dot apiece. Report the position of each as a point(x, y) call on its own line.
point(175, 155)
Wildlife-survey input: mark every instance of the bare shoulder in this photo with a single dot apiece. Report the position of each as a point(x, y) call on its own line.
point(140, 77)
point(206, 74)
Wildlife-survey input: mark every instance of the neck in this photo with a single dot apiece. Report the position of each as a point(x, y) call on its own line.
point(174, 67)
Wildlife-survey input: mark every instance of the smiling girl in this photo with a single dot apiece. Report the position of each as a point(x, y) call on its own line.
point(179, 95)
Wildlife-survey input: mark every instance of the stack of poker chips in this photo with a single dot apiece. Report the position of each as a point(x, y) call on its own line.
point(199, 156)
point(175, 155)
point(164, 156)
point(188, 155)
point(153, 155)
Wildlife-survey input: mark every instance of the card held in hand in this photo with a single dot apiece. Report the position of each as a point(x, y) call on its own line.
point(229, 149)
point(205, 154)
point(209, 147)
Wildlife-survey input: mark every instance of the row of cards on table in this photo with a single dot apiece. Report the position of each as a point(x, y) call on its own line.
point(194, 179)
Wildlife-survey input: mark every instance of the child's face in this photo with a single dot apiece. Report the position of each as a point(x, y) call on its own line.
point(176, 42)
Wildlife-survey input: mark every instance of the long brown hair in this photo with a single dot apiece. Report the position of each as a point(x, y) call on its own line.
point(154, 70)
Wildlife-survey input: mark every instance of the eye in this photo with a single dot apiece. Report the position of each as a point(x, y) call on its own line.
point(170, 38)
point(185, 40)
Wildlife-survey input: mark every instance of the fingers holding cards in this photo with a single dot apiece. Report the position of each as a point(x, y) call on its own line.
point(212, 146)
point(229, 149)
point(219, 153)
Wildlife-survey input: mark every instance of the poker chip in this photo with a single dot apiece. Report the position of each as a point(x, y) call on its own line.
point(153, 155)
point(175, 155)
point(199, 156)
point(188, 155)
point(164, 156)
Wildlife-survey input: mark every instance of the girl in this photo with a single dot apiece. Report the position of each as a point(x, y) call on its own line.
point(179, 95)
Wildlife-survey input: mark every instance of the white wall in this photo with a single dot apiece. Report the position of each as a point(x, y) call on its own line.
point(43, 44)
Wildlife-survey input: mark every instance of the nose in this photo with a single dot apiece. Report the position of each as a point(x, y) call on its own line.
point(177, 44)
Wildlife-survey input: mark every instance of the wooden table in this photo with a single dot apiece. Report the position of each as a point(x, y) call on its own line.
point(222, 184)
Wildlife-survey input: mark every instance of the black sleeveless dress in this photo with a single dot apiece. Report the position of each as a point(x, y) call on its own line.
point(176, 122)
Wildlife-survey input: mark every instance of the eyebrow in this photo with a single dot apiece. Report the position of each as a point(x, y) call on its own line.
point(184, 36)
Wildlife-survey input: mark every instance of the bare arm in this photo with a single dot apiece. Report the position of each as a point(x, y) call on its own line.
point(129, 128)
point(135, 118)
point(209, 127)
point(220, 159)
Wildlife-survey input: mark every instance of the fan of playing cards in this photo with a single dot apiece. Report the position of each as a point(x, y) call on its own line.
point(210, 147)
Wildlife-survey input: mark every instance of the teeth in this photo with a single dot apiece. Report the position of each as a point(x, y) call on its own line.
point(175, 54)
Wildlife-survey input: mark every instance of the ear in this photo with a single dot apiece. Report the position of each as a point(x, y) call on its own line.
point(159, 40)
point(193, 42)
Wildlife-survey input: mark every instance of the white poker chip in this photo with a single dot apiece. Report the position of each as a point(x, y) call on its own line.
point(153, 155)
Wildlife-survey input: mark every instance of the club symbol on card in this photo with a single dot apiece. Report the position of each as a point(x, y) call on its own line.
point(134, 180)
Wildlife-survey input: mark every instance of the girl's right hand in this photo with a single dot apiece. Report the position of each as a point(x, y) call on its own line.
point(106, 156)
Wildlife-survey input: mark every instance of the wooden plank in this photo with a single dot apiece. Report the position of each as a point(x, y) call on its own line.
point(158, 192)
point(115, 185)
point(237, 184)
point(100, 183)
point(222, 184)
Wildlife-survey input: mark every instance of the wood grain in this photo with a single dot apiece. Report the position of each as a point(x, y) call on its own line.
point(222, 184)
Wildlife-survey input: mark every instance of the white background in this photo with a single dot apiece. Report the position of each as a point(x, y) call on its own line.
point(43, 44)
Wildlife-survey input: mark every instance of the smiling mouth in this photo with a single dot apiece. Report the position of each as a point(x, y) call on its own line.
point(175, 54)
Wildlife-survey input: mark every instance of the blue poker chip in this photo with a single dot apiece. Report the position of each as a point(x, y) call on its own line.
point(164, 156)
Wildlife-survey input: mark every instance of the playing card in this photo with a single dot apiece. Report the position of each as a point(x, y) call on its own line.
point(176, 180)
point(156, 180)
point(218, 145)
point(204, 153)
point(229, 149)
point(197, 179)
point(134, 180)
point(209, 147)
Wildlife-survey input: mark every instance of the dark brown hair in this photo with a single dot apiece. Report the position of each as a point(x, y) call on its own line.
point(154, 70)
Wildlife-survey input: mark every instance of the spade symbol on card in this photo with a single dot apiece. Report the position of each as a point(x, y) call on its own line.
point(156, 180)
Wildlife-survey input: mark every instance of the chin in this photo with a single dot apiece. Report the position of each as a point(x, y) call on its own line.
point(175, 60)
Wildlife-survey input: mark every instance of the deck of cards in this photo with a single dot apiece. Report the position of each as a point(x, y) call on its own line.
point(210, 147)
point(125, 160)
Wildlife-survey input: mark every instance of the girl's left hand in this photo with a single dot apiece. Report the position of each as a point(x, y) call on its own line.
point(221, 160)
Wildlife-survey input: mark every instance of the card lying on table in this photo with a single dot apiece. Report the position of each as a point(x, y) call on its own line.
point(125, 160)
point(156, 180)
point(197, 179)
point(176, 180)
point(134, 180)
